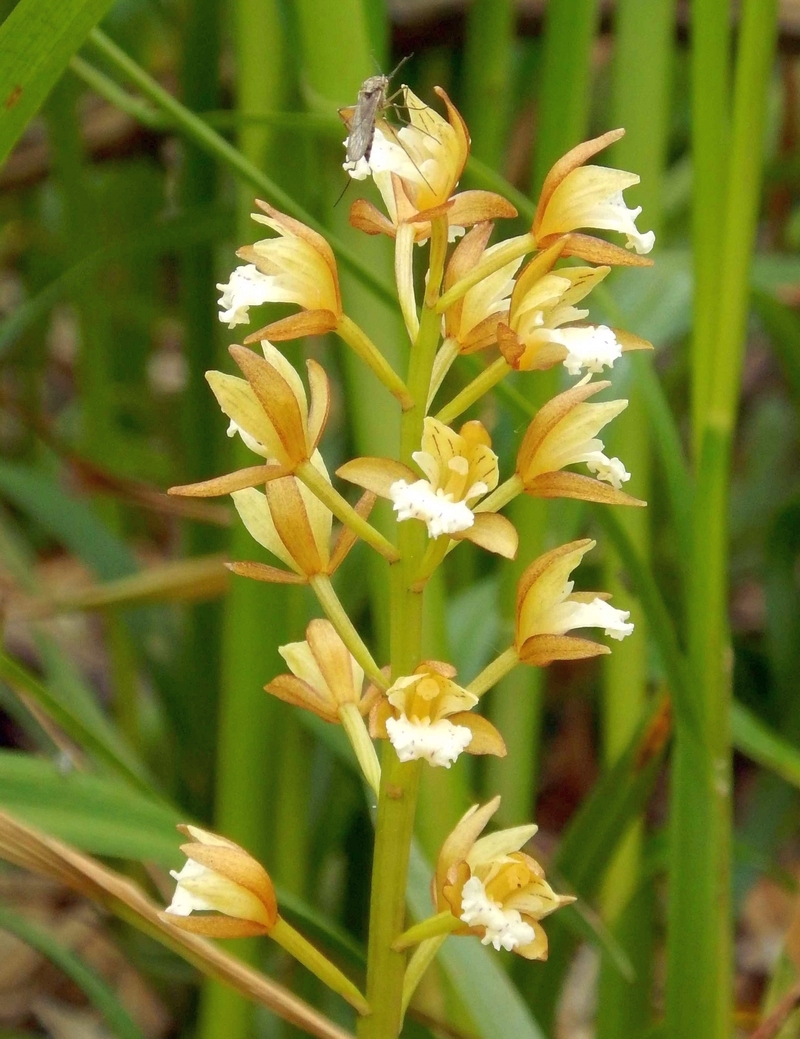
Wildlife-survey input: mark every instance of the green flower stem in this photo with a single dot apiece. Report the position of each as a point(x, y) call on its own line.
point(494, 671)
point(336, 614)
point(358, 340)
point(502, 495)
point(422, 959)
point(195, 128)
point(363, 747)
point(304, 952)
point(400, 781)
point(512, 249)
point(441, 924)
point(345, 512)
point(489, 377)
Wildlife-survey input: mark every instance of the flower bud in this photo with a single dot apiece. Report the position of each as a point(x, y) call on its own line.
point(226, 885)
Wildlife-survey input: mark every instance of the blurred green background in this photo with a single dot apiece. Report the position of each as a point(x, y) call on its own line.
point(131, 692)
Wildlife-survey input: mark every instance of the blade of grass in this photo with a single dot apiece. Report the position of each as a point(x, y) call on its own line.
point(487, 76)
point(99, 740)
point(699, 987)
point(564, 92)
point(642, 58)
point(564, 97)
point(100, 995)
point(710, 77)
point(26, 847)
point(590, 840)
point(201, 447)
point(202, 134)
point(36, 42)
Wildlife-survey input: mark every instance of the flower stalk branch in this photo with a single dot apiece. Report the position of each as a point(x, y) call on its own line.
point(345, 512)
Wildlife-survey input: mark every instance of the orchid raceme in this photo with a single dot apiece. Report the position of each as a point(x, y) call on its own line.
point(269, 410)
point(498, 892)
point(296, 267)
point(444, 487)
point(226, 885)
point(427, 716)
point(547, 609)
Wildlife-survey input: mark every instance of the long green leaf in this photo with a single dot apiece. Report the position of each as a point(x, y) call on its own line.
point(763, 745)
point(100, 995)
point(95, 739)
point(36, 42)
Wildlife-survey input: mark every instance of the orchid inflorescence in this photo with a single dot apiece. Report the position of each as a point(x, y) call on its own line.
point(444, 487)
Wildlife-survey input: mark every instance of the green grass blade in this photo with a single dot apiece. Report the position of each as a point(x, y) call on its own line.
point(36, 42)
point(590, 840)
point(565, 89)
point(100, 814)
point(763, 745)
point(98, 740)
point(100, 995)
point(487, 76)
point(699, 987)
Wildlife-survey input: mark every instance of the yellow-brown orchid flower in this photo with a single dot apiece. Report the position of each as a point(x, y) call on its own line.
point(428, 716)
point(226, 885)
point(575, 196)
point(498, 891)
point(325, 675)
point(460, 468)
point(222, 892)
point(533, 338)
point(471, 321)
point(270, 411)
point(292, 523)
point(417, 169)
point(296, 267)
point(564, 432)
point(547, 608)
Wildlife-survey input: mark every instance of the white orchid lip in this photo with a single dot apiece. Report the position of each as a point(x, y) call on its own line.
point(611, 470)
point(185, 901)
point(436, 509)
point(247, 287)
point(440, 742)
point(569, 615)
point(590, 347)
point(504, 928)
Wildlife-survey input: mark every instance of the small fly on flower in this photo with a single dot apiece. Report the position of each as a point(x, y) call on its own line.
point(360, 119)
